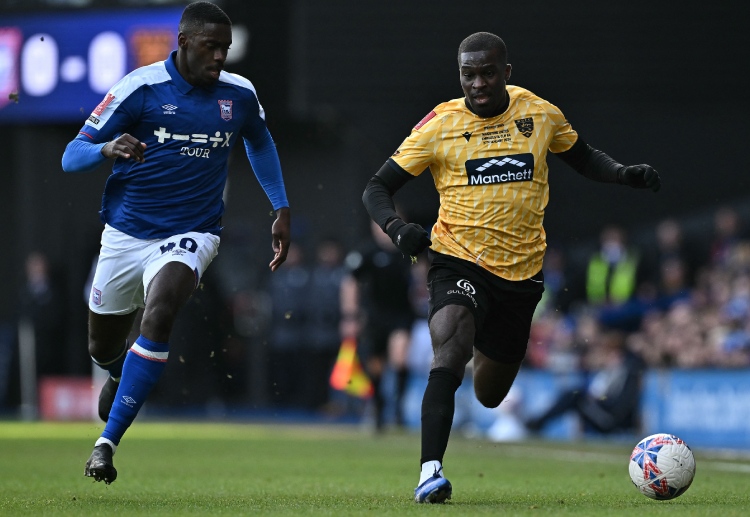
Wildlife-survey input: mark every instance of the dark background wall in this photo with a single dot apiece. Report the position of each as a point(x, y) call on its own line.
point(343, 82)
point(644, 81)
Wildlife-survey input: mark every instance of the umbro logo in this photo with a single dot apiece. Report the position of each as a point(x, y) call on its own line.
point(500, 169)
point(128, 401)
point(169, 109)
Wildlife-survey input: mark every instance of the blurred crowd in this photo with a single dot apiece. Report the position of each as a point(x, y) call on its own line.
point(680, 302)
point(669, 297)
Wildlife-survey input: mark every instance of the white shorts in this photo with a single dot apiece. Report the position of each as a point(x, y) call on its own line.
point(127, 265)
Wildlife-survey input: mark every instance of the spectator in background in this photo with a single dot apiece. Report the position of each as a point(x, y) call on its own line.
point(726, 235)
point(419, 356)
point(673, 282)
point(612, 272)
point(378, 298)
point(288, 288)
point(42, 306)
point(322, 333)
point(608, 401)
point(558, 295)
point(614, 286)
point(671, 247)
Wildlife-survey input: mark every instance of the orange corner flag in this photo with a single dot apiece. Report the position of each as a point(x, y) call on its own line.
point(347, 374)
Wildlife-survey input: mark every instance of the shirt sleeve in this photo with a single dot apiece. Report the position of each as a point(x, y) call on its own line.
point(564, 135)
point(119, 110)
point(82, 155)
point(261, 151)
point(417, 151)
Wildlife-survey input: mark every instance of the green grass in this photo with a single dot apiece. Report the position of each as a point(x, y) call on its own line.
point(240, 469)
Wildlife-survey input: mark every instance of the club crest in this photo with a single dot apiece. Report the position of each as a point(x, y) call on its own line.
point(525, 126)
point(226, 109)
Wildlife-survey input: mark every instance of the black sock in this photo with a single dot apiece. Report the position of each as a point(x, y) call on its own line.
point(378, 401)
point(438, 406)
point(402, 375)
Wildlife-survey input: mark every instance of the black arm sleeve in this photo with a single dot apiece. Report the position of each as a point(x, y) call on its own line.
point(591, 163)
point(378, 195)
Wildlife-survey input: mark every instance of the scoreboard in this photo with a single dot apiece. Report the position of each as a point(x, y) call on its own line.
point(56, 67)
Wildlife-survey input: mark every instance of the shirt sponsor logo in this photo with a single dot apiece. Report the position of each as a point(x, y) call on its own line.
point(217, 140)
point(103, 105)
point(225, 108)
point(500, 169)
point(525, 126)
point(163, 135)
point(426, 119)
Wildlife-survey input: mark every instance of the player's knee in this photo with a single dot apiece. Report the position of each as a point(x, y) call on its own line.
point(490, 392)
point(103, 350)
point(488, 398)
point(157, 322)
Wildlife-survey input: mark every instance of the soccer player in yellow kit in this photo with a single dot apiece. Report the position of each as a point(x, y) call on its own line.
point(487, 154)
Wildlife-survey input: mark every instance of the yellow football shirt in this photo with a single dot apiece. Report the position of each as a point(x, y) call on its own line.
point(491, 175)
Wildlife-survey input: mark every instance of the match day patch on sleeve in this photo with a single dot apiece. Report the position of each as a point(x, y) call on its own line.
point(426, 119)
point(103, 105)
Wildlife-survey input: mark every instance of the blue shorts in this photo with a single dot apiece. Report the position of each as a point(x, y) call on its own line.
point(502, 309)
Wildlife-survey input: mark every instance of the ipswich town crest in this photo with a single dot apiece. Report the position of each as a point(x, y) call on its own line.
point(226, 109)
point(525, 126)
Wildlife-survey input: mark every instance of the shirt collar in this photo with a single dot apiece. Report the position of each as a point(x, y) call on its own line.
point(171, 64)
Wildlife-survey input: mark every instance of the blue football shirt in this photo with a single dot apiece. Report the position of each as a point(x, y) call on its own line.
point(189, 133)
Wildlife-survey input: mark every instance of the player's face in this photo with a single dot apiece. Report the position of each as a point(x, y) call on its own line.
point(483, 78)
point(205, 53)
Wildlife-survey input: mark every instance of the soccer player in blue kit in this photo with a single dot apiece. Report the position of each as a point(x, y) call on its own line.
point(169, 127)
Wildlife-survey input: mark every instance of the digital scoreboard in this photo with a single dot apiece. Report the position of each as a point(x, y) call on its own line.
point(56, 67)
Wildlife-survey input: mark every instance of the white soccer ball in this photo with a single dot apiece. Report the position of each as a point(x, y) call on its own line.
point(662, 466)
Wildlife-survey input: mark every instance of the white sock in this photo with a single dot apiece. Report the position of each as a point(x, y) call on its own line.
point(429, 469)
point(102, 440)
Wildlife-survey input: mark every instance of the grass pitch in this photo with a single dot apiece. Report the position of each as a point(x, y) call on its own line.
point(245, 469)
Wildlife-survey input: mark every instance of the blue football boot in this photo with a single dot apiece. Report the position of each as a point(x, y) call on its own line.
point(435, 490)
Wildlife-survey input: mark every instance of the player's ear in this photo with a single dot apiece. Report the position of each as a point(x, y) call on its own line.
point(508, 69)
point(182, 40)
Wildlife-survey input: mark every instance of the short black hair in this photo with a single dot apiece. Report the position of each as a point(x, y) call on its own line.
point(480, 41)
point(197, 14)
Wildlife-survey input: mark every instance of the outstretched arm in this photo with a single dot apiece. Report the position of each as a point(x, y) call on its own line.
point(598, 166)
point(410, 238)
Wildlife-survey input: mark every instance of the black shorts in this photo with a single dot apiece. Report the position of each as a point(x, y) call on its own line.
point(375, 337)
point(502, 308)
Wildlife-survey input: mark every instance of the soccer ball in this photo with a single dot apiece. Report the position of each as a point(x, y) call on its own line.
point(662, 466)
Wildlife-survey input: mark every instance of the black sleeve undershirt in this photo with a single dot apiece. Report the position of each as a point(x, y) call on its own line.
point(378, 195)
point(591, 163)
